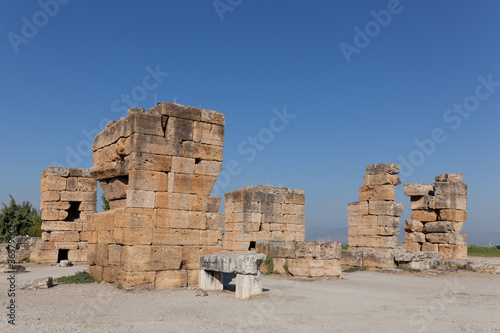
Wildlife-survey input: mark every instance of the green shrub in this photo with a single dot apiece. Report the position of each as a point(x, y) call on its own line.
point(119, 286)
point(270, 264)
point(472, 246)
point(285, 267)
point(19, 220)
point(105, 202)
point(77, 278)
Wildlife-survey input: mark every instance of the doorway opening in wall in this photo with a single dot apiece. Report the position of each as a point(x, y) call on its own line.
point(252, 246)
point(73, 211)
point(62, 254)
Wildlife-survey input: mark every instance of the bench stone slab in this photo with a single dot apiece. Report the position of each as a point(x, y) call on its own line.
point(240, 263)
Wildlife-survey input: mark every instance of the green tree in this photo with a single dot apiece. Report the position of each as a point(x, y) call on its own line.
point(105, 202)
point(19, 220)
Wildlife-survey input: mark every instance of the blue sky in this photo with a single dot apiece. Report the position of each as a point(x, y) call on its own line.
point(250, 60)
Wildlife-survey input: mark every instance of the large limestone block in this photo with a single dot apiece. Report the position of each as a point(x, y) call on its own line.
point(201, 151)
point(178, 111)
point(178, 128)
point(248, 217)
point(450, 177)
point(453, 251)
point(206, 203)
point(411, 246)
point(114, 188)
point(141, 199)
point(351, 258)
point(191, 183)
point(114, 254)
point(135, 280)
point(450, 189)
point(417, 237)
point(55, 171)
point(382, 168)
point(427, 215)
point(447, 238)
point(151, 258)
point(378, 260)
point(65, 236)
point(362, 230)
point(418, 189)
point(380, 242)
point(379, 207)
point(152, 144)
point(148, 181)
point(133, 236)
point(78, 196)
point(380, 192)
point(426, 246)
point(248, 285)
point(58, 226)
point(357, 208)
point(52, 183)
point(55, 205)
point(387, 221)
point(422, 202)
point(183, 165)
point(213, 117)
point(148, 161)
point(236, 246)
point(175, 201)
point(296, 197)
point(50, 196)
point(209, 168)
point(177, 237)
point(451, 202)
point(239, 263)
point(175, 219)
point(109, 170)
point(452, 215)
point(444, 226)
point(381, 179)
point(387, 231)
point(208, 133)
point(414, 226)
point(171, 279)
point(314, 267)
point(317, 250)
point(135, 218)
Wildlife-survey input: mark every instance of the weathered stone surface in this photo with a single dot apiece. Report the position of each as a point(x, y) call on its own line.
point(382, 168)
point(357, 208)
point(414, 226)
point(379, 207)
point(314, 268)
point(427, 215)
point(171, 279)
point(141, 199)
point(450, 177)
point(380, 192)
point(381, 179)
point(42, 283)
point(55, 171)
point(422, 202)
point(418, 189)
point(417, 237)
point(452, 215)
point(232, 262)
point(378, 260)
point(178, 128)
point(444, 226)
point(178, 111)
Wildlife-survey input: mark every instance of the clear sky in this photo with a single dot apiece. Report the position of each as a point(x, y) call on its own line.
point(415, 83)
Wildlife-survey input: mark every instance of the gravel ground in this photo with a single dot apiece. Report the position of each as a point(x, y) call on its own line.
point(358, 302)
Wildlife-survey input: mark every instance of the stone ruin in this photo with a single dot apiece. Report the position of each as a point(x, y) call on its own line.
point(68, 197)
point(437, 216)
point(373, 220)
point(263, 213)
point(157, 168)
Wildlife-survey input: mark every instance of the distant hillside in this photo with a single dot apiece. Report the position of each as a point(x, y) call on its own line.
point(331, 234)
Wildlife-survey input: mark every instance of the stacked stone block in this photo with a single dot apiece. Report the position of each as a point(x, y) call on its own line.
point(306, 259)
point(438, 213)
point(68, 197)
point(373, 220)
point(157, 168)
point(263, 213)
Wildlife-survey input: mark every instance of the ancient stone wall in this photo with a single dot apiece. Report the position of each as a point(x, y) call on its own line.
point(307, 259)
point(373, 220)
point(439, 211)
point(68, 197)
point(263, 213)
point(157, 168)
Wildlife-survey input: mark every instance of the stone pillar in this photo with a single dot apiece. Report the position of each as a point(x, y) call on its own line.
point(68, 196)
point(437, 217)
point(158, 169)
point(373, 220)
point(263, 213)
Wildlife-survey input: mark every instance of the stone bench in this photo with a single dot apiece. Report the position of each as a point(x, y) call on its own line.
point(246, 266)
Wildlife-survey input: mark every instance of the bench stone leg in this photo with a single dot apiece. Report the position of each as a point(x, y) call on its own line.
point(210, 280)
point(248, 285)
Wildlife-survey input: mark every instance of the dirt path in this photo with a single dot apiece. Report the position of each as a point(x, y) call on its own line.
point(360, 302)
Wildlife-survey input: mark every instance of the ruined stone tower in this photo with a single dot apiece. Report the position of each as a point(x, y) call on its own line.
point(157, 168)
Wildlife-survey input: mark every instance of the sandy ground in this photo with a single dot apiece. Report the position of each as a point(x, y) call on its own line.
point(358, 302)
